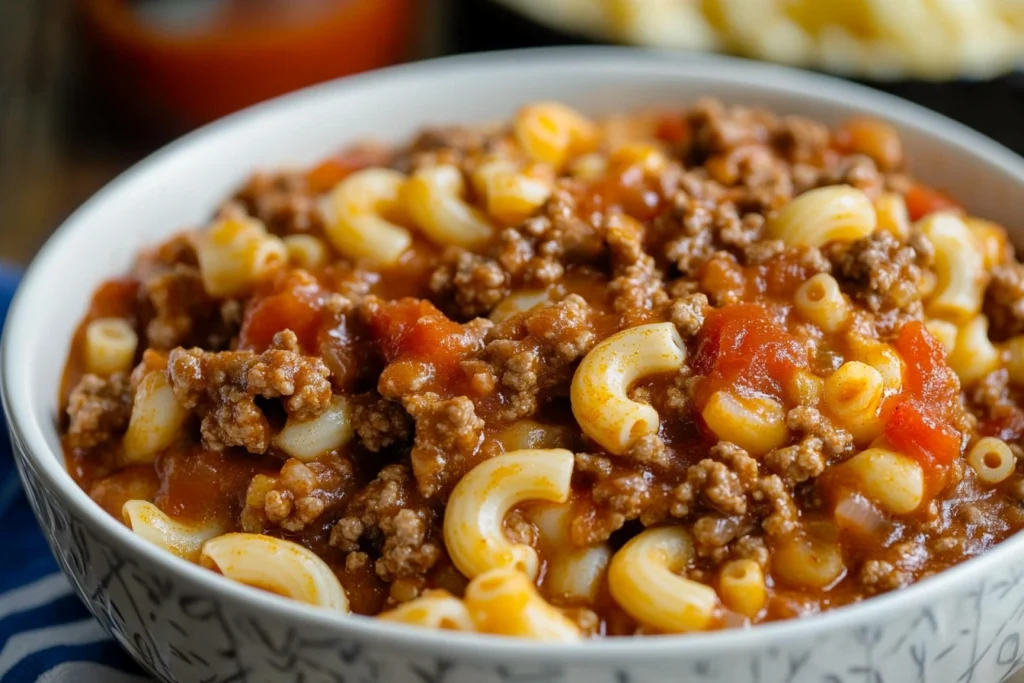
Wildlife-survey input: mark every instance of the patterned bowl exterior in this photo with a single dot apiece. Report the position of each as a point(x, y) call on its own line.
point(963, 626)
point(183, 634)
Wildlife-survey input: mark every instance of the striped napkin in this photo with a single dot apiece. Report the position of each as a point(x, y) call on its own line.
point(46, 634)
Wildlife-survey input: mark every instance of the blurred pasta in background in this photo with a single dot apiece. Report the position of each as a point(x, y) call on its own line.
point(930, 39)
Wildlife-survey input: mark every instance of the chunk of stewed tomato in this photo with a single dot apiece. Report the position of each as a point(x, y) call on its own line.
point(297, 305)
point(413, 329)
point(914, 431)
point(928, 379)
point(333, 170)
point(920, 423)
point(673, 129)
point(923, 200)
point(741, 345)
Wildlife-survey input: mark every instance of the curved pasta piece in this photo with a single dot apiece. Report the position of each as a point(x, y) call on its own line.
point(519, 302)
point(991, 239)
point(755, 423)
point(306, 252)
point(156, 420)
point(357, 227)
point(853, 396)
point(512, 195)
point(110, 346)
point(434, 609)
point(820, 301)
point(598, 392)
point(992, 460)
point(577, 574)
point(837, 213)
point(742, 587)
point(151, 524)
point(960, 267)
point(973, 355)
point(275, 565)
point(807, 563)
point(505, 602)
point(892, 480)
point(551, 132)
point(433, 197)
point(474, 517)
point(570, 571)
point(234, 253)
point(893, 216)
point(644, 580)
point(308, 440)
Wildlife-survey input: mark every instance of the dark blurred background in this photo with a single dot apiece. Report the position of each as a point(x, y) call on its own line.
point(88, 87)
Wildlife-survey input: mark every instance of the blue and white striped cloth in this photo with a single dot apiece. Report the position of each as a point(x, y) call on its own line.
point(45, 632)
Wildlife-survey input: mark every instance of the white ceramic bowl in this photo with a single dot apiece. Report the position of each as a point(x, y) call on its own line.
point(186, 624)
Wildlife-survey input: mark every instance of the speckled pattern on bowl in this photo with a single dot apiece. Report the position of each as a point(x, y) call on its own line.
point(186, 624)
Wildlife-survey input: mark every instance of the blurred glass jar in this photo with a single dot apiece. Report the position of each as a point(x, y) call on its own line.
point(176, 64)
point(876, 39)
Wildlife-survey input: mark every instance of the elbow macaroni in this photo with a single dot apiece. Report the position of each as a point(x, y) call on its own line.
point(474, 517)
point(357, 226)
point(551, 133)
point(944, 332)
point(148, 522)
point(520, 302)
point(1014, 350)
point(277, 566)
point(236, 252)
point(973, 354)
point(527, 434)
point(826, 214)
point(308, 440)
point(571, 572)
point(644, 578)
point(959, 265)
point(992, 460)
point(754, 423)
point(306, 252)
point(991, 240)
point(598, 391)
point(156, 421)
point(505, 602)
point(511, 194)
point(892, 480)
point(820, 301)
point(742, 587)
point(893, 217)
point(433, 197)
point(853, 395)
point(434, 609)
point(805, 563)
point(110, 346)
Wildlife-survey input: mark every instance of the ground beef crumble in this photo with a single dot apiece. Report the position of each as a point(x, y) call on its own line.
point(222, 387)
point(884, 272)
point(99, 409)
point(380, 423)
point(448, 435)
point(1004, 301)
point(531, 354)
point(468, 285)
point(298, 496)
point(389, 520)
point(283, 201)
point(184, 314)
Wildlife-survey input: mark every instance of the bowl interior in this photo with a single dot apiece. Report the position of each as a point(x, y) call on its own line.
point(180, 185)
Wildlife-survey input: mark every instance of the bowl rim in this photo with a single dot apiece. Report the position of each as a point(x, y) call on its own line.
point(27, 428)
